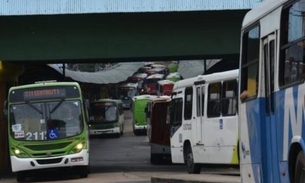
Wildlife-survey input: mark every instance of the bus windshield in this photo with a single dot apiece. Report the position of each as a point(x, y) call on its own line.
point(130, 92)
point(45, 120)
point(103, 112)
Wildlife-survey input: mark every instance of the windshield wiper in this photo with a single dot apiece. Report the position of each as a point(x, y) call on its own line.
point(57, 105)
point(34, 107)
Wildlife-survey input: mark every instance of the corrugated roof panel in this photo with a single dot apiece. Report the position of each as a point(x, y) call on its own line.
point(49, 7)
point(193, 68)
point(120, 72)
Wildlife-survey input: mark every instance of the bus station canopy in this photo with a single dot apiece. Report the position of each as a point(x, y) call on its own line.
point(116, 74)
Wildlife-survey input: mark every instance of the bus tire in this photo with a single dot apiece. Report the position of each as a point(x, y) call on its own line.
point(299, 168)
point(154, 159)
point(20, 177)
point(192, 167)
point(118, 135)
point(122, 131)
point(136, 132)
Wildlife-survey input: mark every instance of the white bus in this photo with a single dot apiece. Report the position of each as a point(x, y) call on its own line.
point(272, 119)
point(204, 120)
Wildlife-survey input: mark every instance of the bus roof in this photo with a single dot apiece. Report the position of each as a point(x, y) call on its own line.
point(261, 10)
point(140, 75)
point(155, 76)
point(158, 66)
point(161, 98)
point(43, 84)
point(107, 100)
point(218, 76)
point(157, 69)
point(173, 75)
point(163, 82)
point(129, 85)
point(143, 97)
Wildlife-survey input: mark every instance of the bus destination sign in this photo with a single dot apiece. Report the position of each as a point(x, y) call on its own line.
point(39, 93)
point(44, 93)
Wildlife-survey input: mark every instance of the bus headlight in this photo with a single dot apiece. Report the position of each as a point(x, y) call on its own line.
point(19, 153)
point(78, 147)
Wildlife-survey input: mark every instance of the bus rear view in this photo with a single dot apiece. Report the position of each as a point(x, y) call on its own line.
point(47, 128)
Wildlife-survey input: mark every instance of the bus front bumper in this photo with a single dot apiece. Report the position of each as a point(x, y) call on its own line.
point(115, 130)
point(78, 159)
point(140, 127)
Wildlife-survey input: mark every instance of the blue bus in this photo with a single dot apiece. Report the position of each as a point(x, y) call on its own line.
point(272, 93)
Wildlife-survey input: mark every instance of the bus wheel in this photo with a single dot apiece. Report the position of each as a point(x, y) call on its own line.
point(20, 177)
point(122, 130)
point(300, 168)
point(192, 167)
point(136, 132)
point(118, 135)
point(154, 159)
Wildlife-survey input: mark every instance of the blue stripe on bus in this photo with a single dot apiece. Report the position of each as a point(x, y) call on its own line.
point(254, 127)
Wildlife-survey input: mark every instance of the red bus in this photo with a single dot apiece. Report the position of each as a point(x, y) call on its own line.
point(151, 84)
point(158, 129)
point(165, 87)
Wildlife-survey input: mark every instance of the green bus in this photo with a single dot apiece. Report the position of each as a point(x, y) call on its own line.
point(175, 76)
point(139, 116)
point(173, 67)
point(47, 128)
point(106, 117)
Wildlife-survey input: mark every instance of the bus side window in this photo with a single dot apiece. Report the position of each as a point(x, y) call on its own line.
point(229, 104)
point(188, 103)
point(213, 105)
point(249, 65)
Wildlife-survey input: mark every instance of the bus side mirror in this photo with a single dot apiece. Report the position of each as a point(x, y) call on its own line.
point(5, 111)
point(146, 111)
point(5, 114)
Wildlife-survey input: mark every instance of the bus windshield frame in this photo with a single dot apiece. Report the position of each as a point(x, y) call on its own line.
point(45, 120)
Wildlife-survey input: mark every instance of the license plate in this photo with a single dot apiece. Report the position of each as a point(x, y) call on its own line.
point(78, 159)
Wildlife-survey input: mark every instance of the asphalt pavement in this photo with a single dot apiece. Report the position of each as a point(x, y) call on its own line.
point(138, 177)
point(126, 160)
point(198, 178)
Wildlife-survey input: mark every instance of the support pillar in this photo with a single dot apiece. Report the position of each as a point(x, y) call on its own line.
point(8, 77)
point(3, 136)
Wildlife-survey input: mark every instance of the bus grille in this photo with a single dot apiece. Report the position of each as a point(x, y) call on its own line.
point(47, 146)
point(49, 161)
point(45, 154)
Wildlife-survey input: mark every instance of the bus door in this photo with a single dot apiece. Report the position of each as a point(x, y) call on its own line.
point(199, 135)
point(251, 117)
point(160, 128)
point(270, 149)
